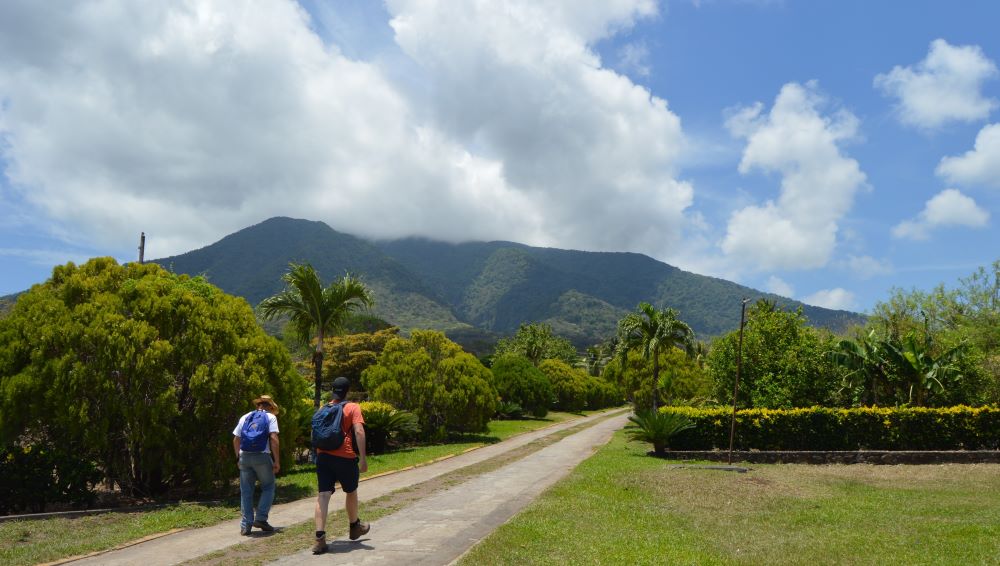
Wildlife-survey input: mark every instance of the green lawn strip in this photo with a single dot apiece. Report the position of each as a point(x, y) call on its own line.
point(623, 507)
point(297, 537)
point(44, 540)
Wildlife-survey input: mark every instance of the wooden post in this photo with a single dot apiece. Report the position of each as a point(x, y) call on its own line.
point(736, 386)
point(142, 246)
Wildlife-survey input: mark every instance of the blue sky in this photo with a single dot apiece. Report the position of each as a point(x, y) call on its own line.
point(824, 150)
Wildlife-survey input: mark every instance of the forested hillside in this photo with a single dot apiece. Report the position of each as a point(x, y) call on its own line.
point(479, 289)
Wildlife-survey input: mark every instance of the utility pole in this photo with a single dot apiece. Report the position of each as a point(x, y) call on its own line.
point(142, 246)
point(739, 368)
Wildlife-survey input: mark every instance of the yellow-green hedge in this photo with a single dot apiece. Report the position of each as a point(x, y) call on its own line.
point(867, 428)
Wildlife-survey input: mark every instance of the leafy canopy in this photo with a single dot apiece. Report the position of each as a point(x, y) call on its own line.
point(125, 365)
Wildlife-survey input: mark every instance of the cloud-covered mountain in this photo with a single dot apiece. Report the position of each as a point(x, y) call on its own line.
point(478, 288)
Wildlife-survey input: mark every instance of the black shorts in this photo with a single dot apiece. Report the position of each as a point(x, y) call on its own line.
point(330, 469)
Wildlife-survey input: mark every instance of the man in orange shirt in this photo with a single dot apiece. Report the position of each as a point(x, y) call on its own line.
point(344, 465)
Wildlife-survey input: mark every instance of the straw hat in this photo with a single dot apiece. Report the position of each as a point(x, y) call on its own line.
point(268, 400)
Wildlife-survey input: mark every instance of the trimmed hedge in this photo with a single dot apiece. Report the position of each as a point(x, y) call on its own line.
point(818, 428)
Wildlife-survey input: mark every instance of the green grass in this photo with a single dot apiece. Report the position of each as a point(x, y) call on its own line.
point(623, 507)
point(31, 542)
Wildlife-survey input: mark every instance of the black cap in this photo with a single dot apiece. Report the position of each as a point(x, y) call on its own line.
point(340, 387)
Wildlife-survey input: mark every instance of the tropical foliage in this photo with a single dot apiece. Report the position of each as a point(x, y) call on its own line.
point(124, 365)
point(652, 331)
point(656, 428)
point(315, 311)
point(384, 422)
point(568, 384)
point(862, 428)
point(429, 375)
point(518, 381)
point(681, 378)
point(537, 343)
point(351, 354)
point(786, 363)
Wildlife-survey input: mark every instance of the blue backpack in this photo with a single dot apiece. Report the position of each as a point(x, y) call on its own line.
point(255, 432)
point(327, 430)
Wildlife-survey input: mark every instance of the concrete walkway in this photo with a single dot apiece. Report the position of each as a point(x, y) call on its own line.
point(440, 528)
point(189, 544)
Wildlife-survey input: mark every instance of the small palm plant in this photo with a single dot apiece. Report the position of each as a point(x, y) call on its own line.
point(383, 421)
point(509, 410)
point(656, 428)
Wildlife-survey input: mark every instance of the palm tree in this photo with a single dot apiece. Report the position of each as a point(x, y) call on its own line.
point(314, 308)
point(652, 331)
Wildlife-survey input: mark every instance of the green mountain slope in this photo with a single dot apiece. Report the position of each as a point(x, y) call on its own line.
point(478, 290)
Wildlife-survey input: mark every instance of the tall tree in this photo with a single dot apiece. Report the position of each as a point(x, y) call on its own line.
point(314, 310)
point(652, 331)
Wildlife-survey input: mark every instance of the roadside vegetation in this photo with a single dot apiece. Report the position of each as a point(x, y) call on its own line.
point(45, 540)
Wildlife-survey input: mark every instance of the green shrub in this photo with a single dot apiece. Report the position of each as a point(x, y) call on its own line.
point(509, 410)
point(125, 365)
point(568, 384)
point(656, 428)
point(518, 381)
point(867, 428)
point(34, 476)
point(384, 422)
point(602, 394)
point(431, 376)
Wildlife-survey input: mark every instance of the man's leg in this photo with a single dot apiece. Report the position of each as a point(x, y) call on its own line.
point(351, 503)
point(322, 508)
point(247, 480)
point(265, 473)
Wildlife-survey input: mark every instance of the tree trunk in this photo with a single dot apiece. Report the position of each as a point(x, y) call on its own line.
point(656, 380)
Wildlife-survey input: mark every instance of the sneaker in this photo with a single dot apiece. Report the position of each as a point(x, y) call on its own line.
point(319, 547)
point(358, 528)
point(245, 531)
point(263, 525)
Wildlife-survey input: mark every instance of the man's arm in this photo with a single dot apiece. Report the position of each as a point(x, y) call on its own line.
point(359, 438)
point(275, 453)
point(236, 446)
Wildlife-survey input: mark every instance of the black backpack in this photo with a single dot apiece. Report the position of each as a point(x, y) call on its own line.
point(327, 430)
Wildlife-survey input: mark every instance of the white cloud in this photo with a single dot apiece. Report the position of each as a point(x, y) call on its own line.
point(944, 87)
point(866, 267)
point(818, 183)
point(634, 58)
point(837, 298)
point(980, 165)
point(778, 286)
point(948, 208)
point(191, 120)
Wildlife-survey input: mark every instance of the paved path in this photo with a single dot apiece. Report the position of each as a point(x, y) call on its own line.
point(438, 529)
point(189, 544)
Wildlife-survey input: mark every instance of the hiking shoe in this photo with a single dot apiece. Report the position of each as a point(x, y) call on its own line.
point(263, 525)
point(319, 547)
point(245, 531)
point(358, 528)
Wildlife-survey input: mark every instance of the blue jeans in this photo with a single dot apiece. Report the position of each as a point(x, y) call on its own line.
point(255, 466)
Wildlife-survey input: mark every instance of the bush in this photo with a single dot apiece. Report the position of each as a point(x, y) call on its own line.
point(383, 422)
point(602, 394)
point(818, 428)
point(125, 365)
point(429, 375)
point(568, 384)
point(509, 410)
point(518, 381)
point(656, 428)
point(34, 476)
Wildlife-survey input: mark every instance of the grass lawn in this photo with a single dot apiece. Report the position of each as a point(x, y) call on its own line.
point(623, 507)
point(31, 542)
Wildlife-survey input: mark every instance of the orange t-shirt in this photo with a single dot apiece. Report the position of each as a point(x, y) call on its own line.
point(352, 415)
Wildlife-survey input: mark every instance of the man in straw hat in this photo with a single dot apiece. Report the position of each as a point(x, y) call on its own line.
point(255, 441)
